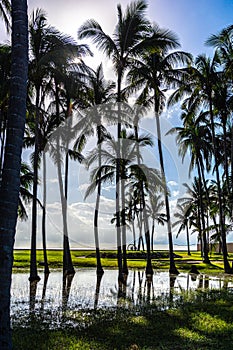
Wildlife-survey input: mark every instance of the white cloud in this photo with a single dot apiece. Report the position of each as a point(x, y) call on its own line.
point(175, 193)
point(172, 183)
point(83, 187)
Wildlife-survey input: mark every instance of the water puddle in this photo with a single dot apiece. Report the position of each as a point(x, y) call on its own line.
point(85, 291)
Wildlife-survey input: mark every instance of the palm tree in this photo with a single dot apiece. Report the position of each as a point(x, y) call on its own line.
point(197, 211)
point(99, 92)
point(195, 137)
point(10, 182)
point(152, 73)
point(108, 172)
point(222, 41)
point(155, 206)
point(129, 40)
point(203, 78)
point(144, 179)
point(182, 215)
point(129, 168)
point(52, 53)
point(37, 74)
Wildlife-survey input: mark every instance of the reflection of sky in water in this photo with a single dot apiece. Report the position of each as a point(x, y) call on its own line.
point(82, 292)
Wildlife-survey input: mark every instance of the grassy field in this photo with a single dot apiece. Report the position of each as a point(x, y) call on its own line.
point(86, 258)
point(200, 321)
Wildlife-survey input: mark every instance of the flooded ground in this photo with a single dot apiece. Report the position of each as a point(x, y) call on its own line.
point(85, 291)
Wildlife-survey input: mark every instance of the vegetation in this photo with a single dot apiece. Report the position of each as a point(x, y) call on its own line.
point(136, 259)
point(48, 85)
point(200, 321)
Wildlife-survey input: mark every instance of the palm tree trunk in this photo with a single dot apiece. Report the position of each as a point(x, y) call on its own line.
point(140, 239)
point(205, 245)
point(124, 248)
point(3, 133)
point(46, 266)
point(33, 263)
point(227, 267)
point(99, 268)
point(118, 179)
point(187, 235)
point(206, 191)
point(173, 268)
point(152, 235)
point(226, 158)
point(232, 165)
point(68, 268)
point(134, 235)
point(67, 260)
point(10, 182)
point(149, 270)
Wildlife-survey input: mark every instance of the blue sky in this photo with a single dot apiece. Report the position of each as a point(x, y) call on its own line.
point(193, 22)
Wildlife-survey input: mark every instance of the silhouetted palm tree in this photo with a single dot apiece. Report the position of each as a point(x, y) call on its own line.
point(10, 181)
point(129, 40)
point(99, 92)
point(182, 215)
point(153, 73)
point(203, 81)
point(195, 137)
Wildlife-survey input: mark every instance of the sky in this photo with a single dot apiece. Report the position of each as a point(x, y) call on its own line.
point(193, 22)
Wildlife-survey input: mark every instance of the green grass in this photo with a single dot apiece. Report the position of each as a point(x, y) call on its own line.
point(200, 321)
point(86, 258)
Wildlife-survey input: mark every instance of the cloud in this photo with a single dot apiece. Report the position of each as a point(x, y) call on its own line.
point(172, 183)
point(53, 181)
point(83, 187)
point(175, 193)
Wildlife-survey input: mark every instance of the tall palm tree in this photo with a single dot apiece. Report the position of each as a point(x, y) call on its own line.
point(10, 182)
point(37, 73)
point(52, 53)
point(197, 210)
point(108, 172)
point(155, 208)
point(130, 170)
point(195, 137)
point(155, 72)
point(203, 78)
point(99, 92)
point(182, 215)
point(129, 40)
point(222, 41)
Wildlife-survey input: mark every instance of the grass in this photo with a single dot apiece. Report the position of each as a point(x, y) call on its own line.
point(202, 321)
point(86, 258)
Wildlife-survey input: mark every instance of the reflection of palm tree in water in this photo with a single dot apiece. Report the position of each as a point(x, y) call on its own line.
point(67, 281)
point(97, 289)
point(172, 280)
point(46, 277)
point(149, 287)
point(32, 297)
point(122, 290)
point(140, 279)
